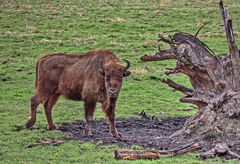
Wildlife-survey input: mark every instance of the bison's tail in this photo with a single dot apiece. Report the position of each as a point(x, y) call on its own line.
point(36, 72)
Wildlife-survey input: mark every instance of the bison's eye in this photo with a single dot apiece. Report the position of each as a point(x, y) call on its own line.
point(120, 78)
point(107, 78)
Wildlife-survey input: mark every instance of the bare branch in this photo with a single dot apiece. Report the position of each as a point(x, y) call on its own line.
point(172, 70)
point(193, 100)
point(233, 49)
point(164, 55)
point(200, 29)
point(178, 87)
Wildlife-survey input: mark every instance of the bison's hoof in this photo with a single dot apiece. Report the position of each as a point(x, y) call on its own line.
point(52, 127)
point(87, 133)
point(30, 123)
point(116, 135)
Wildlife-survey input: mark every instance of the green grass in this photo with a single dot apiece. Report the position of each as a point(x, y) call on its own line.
point(31, 29)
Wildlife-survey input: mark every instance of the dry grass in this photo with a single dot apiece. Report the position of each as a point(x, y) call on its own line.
point(24, 11)
point(116, 44)
point(50, 41)
point(54, 12)
point(32, 29)
point(201, 22)
point(84, 41)
point(140, 71)
point(118, 19)
point(150, 42)
point(53, 5)
point(27, 6)
point(158, 12)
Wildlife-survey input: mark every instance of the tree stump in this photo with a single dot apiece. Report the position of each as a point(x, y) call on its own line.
point(215, 85)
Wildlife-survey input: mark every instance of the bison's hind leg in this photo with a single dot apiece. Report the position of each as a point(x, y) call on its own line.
point(34, 104)
point(48, 105)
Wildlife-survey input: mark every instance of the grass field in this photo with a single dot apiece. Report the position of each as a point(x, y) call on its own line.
point(31, 29)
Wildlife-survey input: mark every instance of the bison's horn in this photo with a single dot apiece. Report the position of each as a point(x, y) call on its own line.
point(128, 64)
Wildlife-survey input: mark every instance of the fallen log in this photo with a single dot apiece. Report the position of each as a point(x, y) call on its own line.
point(154, 154)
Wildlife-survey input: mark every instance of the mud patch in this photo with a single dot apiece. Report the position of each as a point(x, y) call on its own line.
point(149, 134)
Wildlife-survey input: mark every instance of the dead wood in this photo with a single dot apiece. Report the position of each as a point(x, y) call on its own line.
point(220, 149)
point(178, 87)
point(165, 55)
point(154, 154)
point(215, 85)
point(234, 53)
point(45, 143)
point(147, 116)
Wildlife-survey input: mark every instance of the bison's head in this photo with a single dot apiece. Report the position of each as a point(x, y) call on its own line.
point(113, 74)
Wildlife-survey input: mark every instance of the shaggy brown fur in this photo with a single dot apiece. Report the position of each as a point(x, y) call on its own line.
point(93, 77)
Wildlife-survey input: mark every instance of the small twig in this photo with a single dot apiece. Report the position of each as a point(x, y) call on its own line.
point(45, 143)
point(200, 29)
point(146, 116)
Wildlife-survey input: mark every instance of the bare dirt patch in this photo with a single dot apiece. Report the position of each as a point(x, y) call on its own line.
point(149, 134)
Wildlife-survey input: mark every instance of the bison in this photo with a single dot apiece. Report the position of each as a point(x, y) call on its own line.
point(92, 77)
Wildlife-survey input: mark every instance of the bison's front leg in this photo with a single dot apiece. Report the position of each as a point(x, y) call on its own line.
point(109, 109)
point(89, 109)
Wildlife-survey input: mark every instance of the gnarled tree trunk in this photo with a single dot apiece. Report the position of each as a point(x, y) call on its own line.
point(215, 81)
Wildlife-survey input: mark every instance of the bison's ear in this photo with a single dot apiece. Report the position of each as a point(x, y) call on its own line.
point(126, 73)
point(101, 71)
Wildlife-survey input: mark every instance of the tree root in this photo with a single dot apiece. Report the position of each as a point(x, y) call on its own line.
point(220, 149)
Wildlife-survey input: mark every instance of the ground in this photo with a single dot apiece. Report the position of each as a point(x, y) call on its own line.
point(151, 134)
point(31, 29)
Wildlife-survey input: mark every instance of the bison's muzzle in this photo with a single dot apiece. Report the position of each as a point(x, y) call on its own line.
point(112, 93)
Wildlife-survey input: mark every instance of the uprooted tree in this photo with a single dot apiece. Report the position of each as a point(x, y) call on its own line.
point(215, 81)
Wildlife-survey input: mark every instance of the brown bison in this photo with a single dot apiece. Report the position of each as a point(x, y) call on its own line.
point(93, 77)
